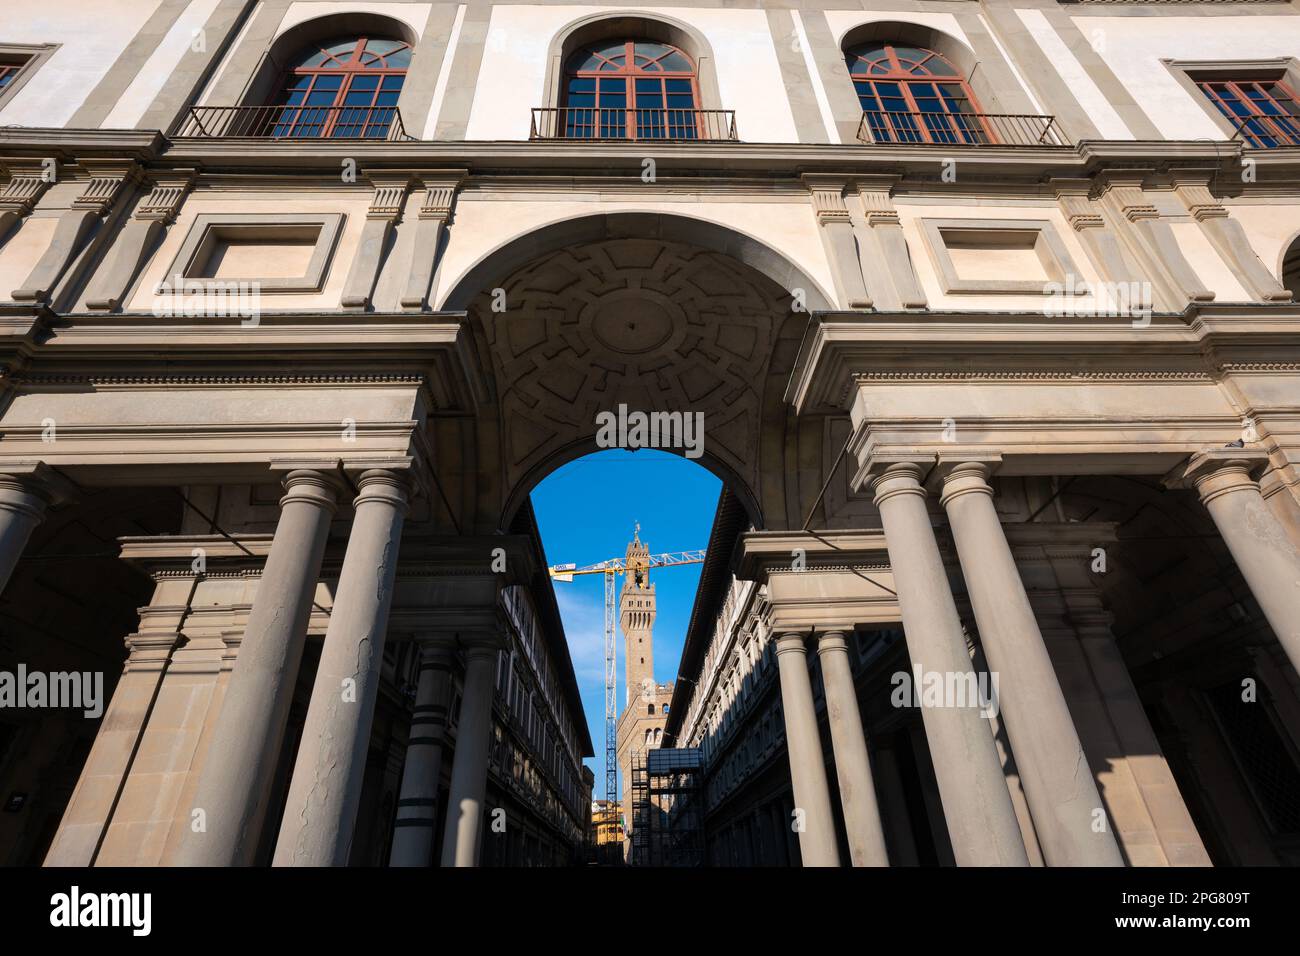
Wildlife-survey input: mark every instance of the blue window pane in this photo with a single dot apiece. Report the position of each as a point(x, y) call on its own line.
point(582, 84)
point(386, 99)
point(612, 101)
point(678, 86)
point(325, 98)
point(392, 83)
point(582, 99)
point(328, 83)
point(646, 86)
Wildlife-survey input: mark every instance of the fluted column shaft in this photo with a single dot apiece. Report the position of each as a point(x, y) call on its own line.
point(460, 842)
point(22, 508)
point(320, 813)
point(977, 806)
point(1268, 559)
point(852, 762)
point(235, 784)
point(417, 802)
point(812, 795)
point(1054, 771)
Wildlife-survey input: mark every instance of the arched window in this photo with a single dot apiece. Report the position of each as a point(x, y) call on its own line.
point(631, 89)
point(650, 710)
point(345, 88)
point(912, 95)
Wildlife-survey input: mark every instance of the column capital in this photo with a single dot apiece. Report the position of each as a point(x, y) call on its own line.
point(896, 474)
point(963, 475)
point(790, 642)
point(315, 487)
point(832, 641)
point(383, 485)
point(1221, 471)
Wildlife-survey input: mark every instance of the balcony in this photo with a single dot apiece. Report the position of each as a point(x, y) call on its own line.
point(293, 122)
point(959, 129)
point(634, 125)
point(1268, 132)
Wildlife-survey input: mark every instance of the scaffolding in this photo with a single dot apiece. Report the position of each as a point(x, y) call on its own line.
point(667, 807)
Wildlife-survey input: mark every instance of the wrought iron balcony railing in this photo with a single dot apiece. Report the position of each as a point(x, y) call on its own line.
point(1268, 132)
point(960, 129)
point(293, 122)
point(593, 123)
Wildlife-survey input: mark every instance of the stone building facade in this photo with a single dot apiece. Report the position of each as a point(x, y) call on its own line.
point(986, 306)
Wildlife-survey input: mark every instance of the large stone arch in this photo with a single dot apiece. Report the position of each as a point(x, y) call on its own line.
point(657, 312)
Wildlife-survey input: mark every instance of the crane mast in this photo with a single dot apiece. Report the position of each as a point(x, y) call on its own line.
point(611, 569)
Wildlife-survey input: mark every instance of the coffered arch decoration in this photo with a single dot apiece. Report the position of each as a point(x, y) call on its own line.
point(264, 85)
point(625, 25)
point(654, 313)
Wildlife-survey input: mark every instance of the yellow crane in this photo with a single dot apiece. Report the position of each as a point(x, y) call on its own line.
point(611, 569)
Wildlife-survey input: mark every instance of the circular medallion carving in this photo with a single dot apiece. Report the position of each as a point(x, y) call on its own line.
point(631, 324)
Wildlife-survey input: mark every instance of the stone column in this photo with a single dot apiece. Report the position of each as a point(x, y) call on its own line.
point(460, 841)
point(812, 793)
point(22, 508)
point(977, 806)
point(417, 802)
point(1058, 782)
point(1268, 560)
point(852, 763)
point(235, 784)
point(320, 812)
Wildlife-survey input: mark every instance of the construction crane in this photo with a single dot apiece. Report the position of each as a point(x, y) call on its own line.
point(611, 569)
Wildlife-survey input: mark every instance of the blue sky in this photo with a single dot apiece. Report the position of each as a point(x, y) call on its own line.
point(586, 511)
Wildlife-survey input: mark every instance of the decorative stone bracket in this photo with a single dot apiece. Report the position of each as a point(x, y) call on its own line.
point(838, 239)
point(1157, 247)
point(1085, 217)
point(895, 263)
point(100, 192)
point(27, 181)
point(385, 209)
point(1227, 236)
point(152, 217)
point(440, 189)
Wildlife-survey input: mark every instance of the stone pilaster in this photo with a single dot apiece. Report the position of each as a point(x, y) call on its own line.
point(1227, 236)
point(385, 209)
point(440, 189)
point(893, 266)
point(837, 237)
point(89, 811)
point(1155, 243)
point(108, 179)
point(137, 239)
point(1085, 217)
point(27, 181)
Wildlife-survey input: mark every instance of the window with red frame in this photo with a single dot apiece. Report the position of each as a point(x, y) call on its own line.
point(1264, 111)
point(631, 89)
point(9, 70)
point(346, 88)
point(913, 95)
